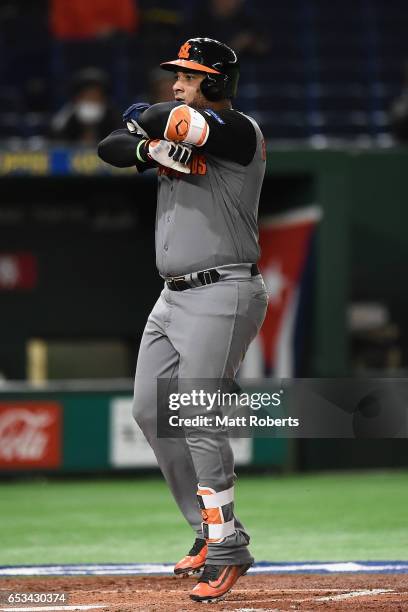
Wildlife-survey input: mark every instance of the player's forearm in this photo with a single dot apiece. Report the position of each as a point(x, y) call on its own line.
point(153, 120)
point(120, 149)
point(176, 122)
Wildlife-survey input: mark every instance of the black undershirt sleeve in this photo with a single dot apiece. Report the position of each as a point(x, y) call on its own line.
point(119, 150)
point(232, 136)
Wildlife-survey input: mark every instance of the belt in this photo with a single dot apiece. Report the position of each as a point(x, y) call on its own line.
point(198, 279)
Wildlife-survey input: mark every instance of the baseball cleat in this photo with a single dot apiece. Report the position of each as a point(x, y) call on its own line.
point(194, 561)
point(216, 581)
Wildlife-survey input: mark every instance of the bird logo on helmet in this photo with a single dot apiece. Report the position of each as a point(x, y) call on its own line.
point(216, 60)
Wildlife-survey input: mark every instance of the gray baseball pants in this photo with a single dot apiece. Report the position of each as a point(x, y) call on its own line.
point(201, 332)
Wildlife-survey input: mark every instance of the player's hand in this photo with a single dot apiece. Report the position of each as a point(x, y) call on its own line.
point(171, 154)
point(131, 117)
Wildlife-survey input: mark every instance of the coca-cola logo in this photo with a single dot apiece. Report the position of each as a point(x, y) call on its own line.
point(30, 434)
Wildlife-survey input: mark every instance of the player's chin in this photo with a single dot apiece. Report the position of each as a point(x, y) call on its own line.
point(198, 103)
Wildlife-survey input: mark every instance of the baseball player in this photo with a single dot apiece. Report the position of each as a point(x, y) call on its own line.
point(211, 164)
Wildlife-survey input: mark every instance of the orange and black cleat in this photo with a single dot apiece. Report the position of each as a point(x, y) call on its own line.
point(194, 561)
point(216, 581)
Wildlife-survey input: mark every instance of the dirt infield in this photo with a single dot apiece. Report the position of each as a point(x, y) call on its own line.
point(388, 592)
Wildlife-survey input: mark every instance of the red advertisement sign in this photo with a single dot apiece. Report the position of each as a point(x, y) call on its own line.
point(18, 271)
point(30, 435)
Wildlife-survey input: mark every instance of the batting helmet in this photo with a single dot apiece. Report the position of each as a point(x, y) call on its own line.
point(218, 61)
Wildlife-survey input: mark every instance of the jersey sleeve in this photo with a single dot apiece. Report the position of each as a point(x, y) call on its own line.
point(227, 133)
point(231, 136)
point(119, 149)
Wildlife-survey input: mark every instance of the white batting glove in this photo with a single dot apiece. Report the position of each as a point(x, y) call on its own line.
point(170, 154)
point(134, 128)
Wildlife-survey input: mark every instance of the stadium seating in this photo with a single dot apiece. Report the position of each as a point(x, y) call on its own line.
point(331, 70)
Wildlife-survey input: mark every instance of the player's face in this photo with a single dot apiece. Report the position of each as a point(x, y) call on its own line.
point(186, 89)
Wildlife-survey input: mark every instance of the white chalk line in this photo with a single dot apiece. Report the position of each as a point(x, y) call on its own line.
point(340, 597)
point(349, 594)
point(365, 593)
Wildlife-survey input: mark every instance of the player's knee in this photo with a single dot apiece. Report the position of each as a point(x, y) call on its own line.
point(138, 410)
point(144, 409)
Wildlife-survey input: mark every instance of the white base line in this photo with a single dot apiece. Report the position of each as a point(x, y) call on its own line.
point(52, 608)
point(355, 594)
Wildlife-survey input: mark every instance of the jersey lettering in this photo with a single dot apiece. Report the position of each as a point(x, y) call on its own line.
point(198, 165)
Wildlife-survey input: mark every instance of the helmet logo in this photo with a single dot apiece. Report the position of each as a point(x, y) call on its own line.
point(184, 51)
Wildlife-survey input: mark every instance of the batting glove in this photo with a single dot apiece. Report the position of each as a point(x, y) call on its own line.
point(131, 117)
point(169, 154)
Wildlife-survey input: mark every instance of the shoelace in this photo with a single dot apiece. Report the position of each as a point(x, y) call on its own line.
point(197, 546)
point(210, 573)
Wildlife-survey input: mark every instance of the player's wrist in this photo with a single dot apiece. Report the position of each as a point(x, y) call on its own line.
point(142, 151)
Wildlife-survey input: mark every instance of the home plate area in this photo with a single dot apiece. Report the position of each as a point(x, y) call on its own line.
point(385, 588)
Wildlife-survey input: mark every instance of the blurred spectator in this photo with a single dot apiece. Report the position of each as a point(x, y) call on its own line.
point(92, 33)
point(89, 116)
point(81, 19)
point(162, 24)
point(228, 21)
point(399, 113)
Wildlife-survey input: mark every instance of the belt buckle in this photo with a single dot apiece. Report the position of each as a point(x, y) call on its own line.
point(174, 279)
point(207, 277)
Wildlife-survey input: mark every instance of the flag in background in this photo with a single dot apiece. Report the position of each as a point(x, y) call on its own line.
point(286, 243)
point(18, 271)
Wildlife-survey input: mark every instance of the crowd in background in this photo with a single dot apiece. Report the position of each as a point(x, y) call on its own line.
point(310, 70)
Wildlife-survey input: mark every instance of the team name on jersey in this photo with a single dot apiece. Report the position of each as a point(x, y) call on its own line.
point(198, 165)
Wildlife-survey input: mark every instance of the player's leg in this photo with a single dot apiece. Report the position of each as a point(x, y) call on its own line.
point(158, 359)
point(211, 329)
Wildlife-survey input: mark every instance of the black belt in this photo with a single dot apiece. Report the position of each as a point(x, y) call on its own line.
point(206, 277)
